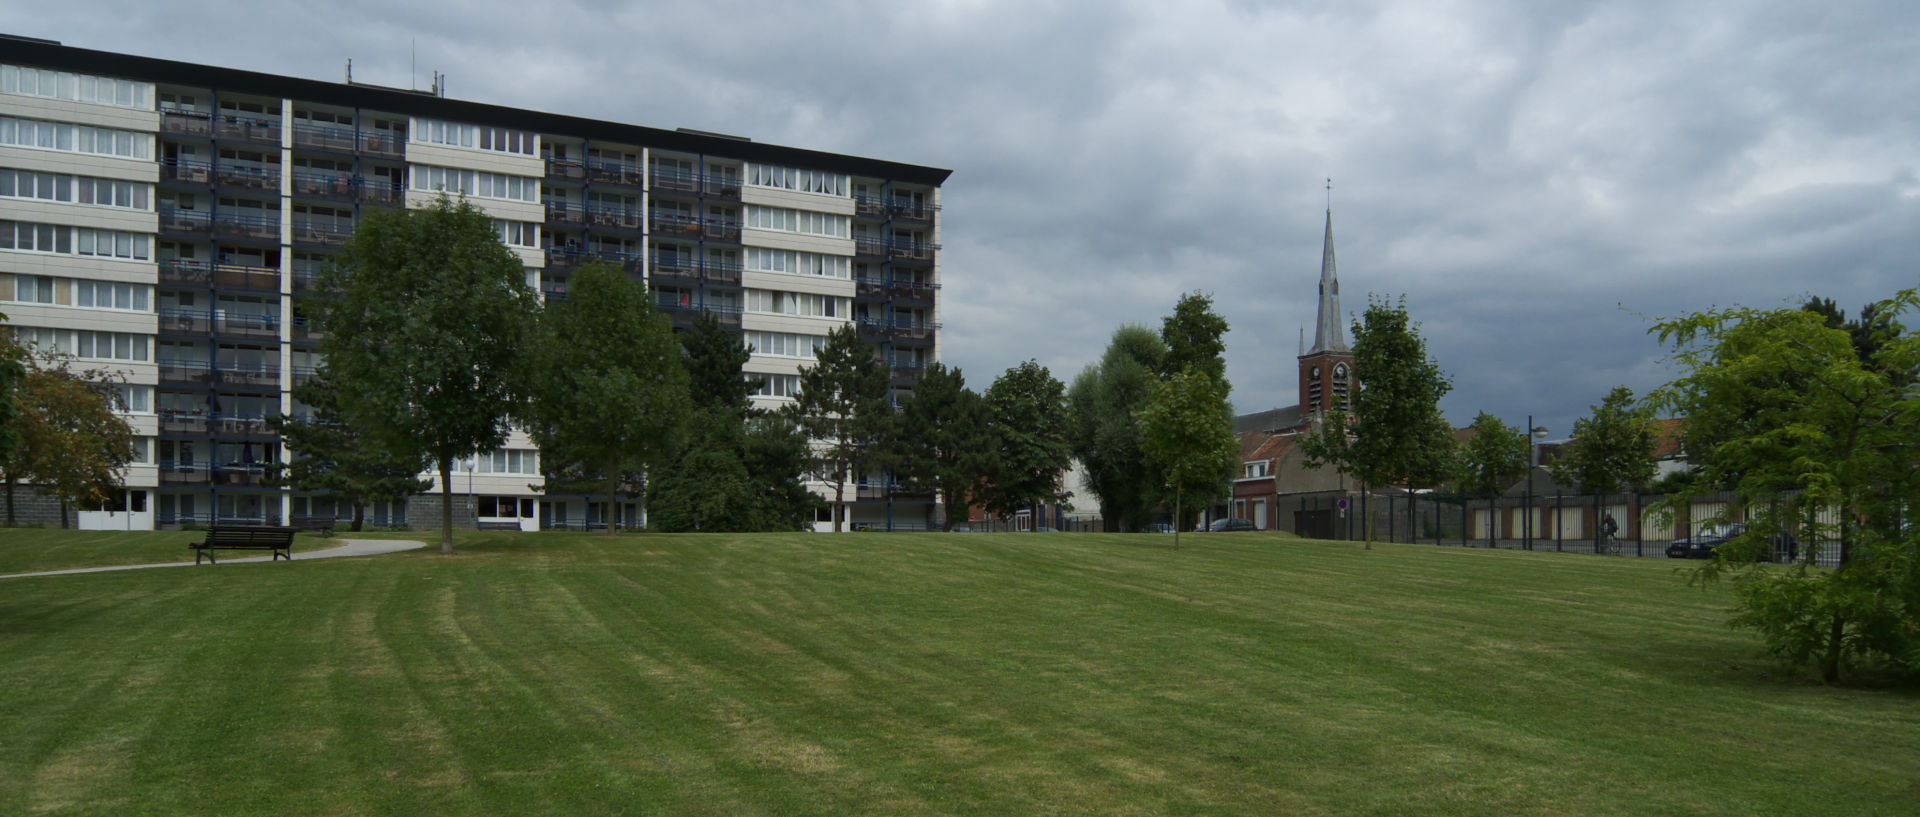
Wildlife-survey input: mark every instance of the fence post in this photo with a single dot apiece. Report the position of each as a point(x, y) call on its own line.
point(1559, 503)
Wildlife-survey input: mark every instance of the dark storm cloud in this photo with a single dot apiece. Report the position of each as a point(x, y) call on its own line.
point(1539, 180)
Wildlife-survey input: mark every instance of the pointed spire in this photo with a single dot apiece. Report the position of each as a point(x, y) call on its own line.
point(1327, 334)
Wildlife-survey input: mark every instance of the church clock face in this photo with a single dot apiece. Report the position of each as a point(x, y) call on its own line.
point(1316, 372)
point(1340, 372)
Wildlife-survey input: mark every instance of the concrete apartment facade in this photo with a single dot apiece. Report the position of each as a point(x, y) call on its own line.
point(164, 220)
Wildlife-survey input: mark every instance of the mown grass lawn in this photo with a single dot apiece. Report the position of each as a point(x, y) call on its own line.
point(988, 674)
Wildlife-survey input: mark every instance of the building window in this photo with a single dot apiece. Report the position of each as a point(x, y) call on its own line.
point(517, 233)
point(34, 289)
point(785, 344)
point(782, 386)
point(477, 183)
point(107, 295)
point(761, 259)
point(33, 133)
point(777, 302)
point(509, 461)
point(805, 181)
point(453, 134)
point(122, 93)
point(1257, 468)
point(805, 222)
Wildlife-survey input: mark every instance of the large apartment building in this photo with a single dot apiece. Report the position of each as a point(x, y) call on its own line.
point(165, 220)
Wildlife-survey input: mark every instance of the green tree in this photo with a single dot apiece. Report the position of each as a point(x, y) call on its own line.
point(843, 408)
point(426, 312)
point(609, 391)
point(944, 439)
point(1189, 441)
point(71, 441)
point(1396, 434)
point(1800, 422)
point(1103, 433)
point(1196, 338)
point(1027, 424)
point(1493, 459)
point(329, 455)
point(13, 378)
point(1612, 449)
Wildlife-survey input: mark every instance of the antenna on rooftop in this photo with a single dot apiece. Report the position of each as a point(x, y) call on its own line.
point(413, 64)
point(349, 70)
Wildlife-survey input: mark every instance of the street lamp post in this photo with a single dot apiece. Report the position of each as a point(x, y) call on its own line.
point(1534, 432)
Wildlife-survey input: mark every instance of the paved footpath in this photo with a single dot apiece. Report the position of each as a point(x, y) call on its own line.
point(353, 547)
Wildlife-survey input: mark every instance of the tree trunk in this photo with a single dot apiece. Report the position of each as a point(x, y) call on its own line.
point(1830, 663)
point(613, 492)
point(9, 500)
point(1178, 522)
point(839, 500)
point(359, 514)
point(63, 514)
point(1366, 516)
point(446, 505)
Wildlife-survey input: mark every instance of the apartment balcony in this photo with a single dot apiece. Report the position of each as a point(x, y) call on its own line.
point(615, 217)
point(684, 312)
point(303, 375)
point(321, 232)
point(379, 193)
point(869, 247)
point(903, 250)
point(247, 129)
point(884, 491)
point(247, 177)
point(384, 144)
point(305, 331)
point(720, 272)
point(720, 229)
point(186, 171)
point(185, 222)
point(910, 210)
point(870, 207)
point(196, 422)
point(674, 268)
point(306, 279)
point(318, 136)
point(188, 123)
point(218, 322)
point(190, 272)
point(609, 171)
point(675, 181)
point(204, 472)
point(239, 225)
point(720, 187)
point(562, 258)
point(673, 224)
point(897, 329)
point(567, 169)
point(324, 184)
point(563, 212)
point(202, 373)
point(906, 374)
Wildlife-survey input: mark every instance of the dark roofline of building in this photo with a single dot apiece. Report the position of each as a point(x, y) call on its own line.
point(49, 54)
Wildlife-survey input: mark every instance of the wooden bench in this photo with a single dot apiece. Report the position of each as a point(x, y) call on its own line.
point(245, 537)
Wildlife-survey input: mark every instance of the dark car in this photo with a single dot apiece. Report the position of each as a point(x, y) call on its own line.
point(1704, 544)
point(1230, 524)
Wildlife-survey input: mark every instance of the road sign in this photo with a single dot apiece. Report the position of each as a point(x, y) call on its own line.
point(1341, 503)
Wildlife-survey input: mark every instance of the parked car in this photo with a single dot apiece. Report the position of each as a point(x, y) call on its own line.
point(1707, 541)
point(1230, 524)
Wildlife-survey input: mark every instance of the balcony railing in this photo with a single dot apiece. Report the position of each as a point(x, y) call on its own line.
point(176, 220)
point(304, 329)
point(197, 422)
point(248, 128)
point(566, 169)
point(318, 136)
point(683, 268)
point(869, 287)
point(906, 372)
point(190, 123)
point(247, 177)
point(219, 322)
point(675, 180)
point(186, 171)
point(205, 472)
point(323, 184)
point(561, 211)
point(616, 216)
point(569, 257)
point(670, 223)
point(379, 192)
point(202, 373)
point(720, 229)
point(304, 374)
point(865, 246)
point(190, 272)
point(323, 232)
point(724, 187)
point(686, 310)
point(238, 225)
point(383, 143)
point(899, 328)
point(903, 250)
point(612, 171)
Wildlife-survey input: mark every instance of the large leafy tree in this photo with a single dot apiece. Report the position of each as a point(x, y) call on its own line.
point(843, 409)
point(13, 379)
point(426, 313)
point(1799, 422)
point(71, 440)
point(1493, 458)
point(329, 455)
point(1027, 424)
point(1195, 337)
point(944, 442)
point(1612, 448)
point(608, 389)
point(1189, 440)
point(1102, 430)
point(1396, 433)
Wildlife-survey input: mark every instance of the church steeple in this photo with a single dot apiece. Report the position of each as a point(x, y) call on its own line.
point(1326, 369)
point(1327, 334)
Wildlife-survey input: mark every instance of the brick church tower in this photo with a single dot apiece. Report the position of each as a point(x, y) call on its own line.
point(1326, 370)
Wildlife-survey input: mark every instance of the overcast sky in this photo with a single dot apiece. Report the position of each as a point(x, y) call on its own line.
point(1539, 180)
